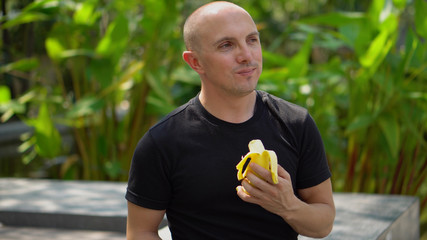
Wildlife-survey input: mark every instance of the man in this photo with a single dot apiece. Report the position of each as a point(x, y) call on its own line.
point(184, 166)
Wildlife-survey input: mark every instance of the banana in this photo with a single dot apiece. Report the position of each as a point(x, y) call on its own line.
point(257, 154)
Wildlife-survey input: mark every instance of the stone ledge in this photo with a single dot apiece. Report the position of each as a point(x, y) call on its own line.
point(370, 216)
point(63, 204)
point(63, 221)
point(100, 206)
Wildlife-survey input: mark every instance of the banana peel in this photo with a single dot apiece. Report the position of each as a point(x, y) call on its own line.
point(257, 154)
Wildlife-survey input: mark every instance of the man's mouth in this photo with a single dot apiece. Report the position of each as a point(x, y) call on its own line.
point(246, 71)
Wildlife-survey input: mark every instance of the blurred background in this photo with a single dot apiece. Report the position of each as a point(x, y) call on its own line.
point(82, 80)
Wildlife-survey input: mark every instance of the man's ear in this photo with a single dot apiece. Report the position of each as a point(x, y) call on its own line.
point(192, 60)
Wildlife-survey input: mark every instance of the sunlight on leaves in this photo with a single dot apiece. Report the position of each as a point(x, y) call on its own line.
point(48, 140)
point(54, 48)
point(420, 17)
point(5, 95)
point(85, 14)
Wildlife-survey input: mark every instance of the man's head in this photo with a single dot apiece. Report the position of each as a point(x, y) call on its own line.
point(194, 21)
point(223, 47)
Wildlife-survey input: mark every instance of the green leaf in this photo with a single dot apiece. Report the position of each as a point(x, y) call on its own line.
point(128, 75)
point(390, 128)
point(26, 17)
point(357, 35)
point(5, 95)
point(390, 23)
point(20, 65)
point(273, 59)
point(35, 11)
point(6, 104)
point(299, 64)
point(400, 4)
point(26, 145)
point(361, 122)
point(69, 168)
point(375, 49)
point(77, 52)
point(11, 108)
point(420, 96)
point(102, 146)
point(115, 39)
point(54, 48)
point(158, 105)
point(186, 75)
point(157, 83)
point(43, 5)
point(155, 7)
point(381, 45)
point(47, 138)
point(374, 12)
point(27, 158)
point(335, 19)
point(386, 11)
point(85, 14)
point(420, 17)
point(85, 107)
point(274, 75)
point(102, 71)
point(29, 96)
point(113, 168)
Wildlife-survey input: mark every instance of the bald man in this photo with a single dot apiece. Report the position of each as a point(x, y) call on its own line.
point(184, 166)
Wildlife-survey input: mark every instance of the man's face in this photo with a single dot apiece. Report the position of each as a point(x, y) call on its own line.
point(230, 53)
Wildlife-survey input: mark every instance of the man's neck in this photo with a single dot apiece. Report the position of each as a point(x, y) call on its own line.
point(229, 108)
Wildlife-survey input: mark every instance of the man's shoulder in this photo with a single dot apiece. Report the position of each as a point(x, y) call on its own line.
point(284, 109)
point(174, 118)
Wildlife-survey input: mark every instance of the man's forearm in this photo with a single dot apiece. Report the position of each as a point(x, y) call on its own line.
point(311, 220)
point(143, 223)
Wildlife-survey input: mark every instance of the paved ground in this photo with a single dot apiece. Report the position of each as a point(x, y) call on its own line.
point(27, 233)
point(31, 233)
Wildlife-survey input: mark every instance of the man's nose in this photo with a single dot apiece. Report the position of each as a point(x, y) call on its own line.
point(244, 55)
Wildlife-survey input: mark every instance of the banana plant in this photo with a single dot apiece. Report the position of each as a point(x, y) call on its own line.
point(378, 110)
point(114, 66)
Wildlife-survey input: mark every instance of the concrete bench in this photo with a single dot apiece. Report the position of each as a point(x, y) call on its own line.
point(35, 209)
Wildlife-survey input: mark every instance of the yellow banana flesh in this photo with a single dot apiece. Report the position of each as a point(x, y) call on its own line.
point(257, 154)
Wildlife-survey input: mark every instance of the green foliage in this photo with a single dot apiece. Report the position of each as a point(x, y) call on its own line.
point(20, 65)
point(5, 95)
point(114, 69)
point(46, 137)
point(420, 18)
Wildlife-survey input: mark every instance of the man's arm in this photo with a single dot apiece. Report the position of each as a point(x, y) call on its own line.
point(143, 223)
point(317, 210)
point(312, 215)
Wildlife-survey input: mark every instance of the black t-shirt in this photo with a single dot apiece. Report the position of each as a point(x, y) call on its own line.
point(186, 164)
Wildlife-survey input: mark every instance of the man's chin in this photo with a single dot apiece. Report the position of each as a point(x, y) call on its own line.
point(244, 92)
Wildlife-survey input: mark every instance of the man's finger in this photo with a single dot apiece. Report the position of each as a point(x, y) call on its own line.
point(264, 173)
point(283, 173)
point(244, 195)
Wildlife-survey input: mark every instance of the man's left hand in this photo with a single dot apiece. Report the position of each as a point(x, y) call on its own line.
point(276, 198)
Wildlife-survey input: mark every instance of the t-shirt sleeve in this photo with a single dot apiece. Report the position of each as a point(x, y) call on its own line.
point(313, 168)
point(148, 184)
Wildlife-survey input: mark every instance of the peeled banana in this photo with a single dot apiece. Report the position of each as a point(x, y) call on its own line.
point(257, 154)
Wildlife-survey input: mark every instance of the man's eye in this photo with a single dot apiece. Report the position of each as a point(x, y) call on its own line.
point(225, 45)
point(253, 40)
